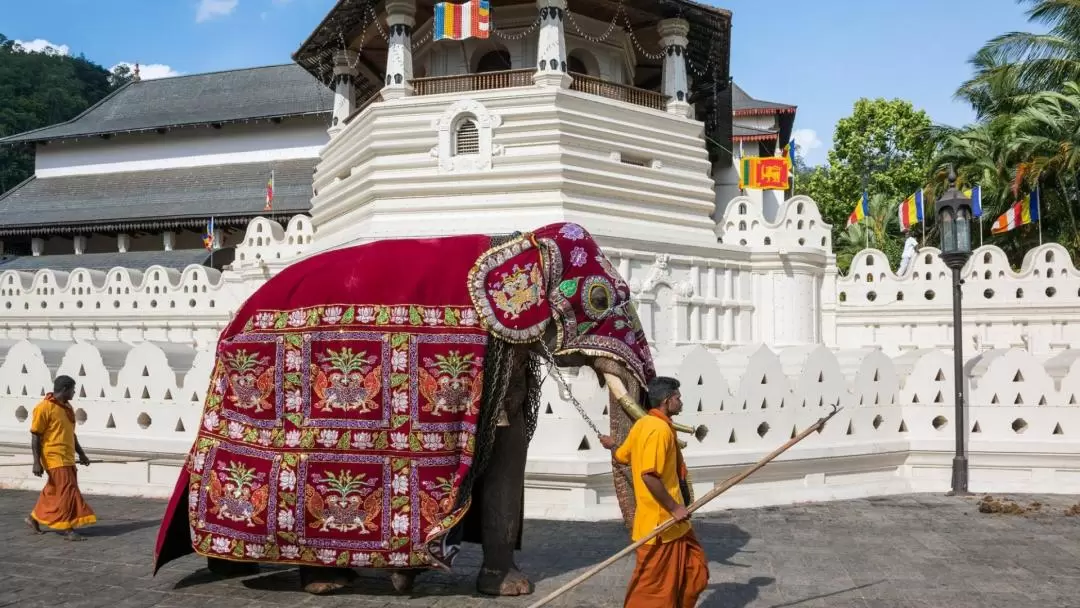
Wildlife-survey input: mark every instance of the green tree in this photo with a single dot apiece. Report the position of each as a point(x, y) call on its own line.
point(881, 229)
point(882, 142)
point(1043, 61)
point(37, 90)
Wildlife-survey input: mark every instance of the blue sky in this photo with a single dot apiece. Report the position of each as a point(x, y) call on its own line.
point(820, 56)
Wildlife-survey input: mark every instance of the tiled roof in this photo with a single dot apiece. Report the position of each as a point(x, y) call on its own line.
point(141, 260)
point(199, 99)
point(743, 104)
point(194, 193)
point(743, 133)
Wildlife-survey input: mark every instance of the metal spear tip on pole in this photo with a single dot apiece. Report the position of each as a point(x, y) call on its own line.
point(835, 410)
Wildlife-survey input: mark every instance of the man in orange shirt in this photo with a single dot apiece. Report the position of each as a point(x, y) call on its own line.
point(671, 570)
point(60, 505)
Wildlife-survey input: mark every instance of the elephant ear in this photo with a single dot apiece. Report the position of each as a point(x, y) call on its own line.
point(508, 286)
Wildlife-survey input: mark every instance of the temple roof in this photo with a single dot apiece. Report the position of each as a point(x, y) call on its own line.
point(743, 133)
point(155, 200)
point(260, 93)
point(708, 49)
point(742, 104)
point(140, 260)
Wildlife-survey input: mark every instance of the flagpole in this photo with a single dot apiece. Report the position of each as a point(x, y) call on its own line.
point(1038, 205)
point(212, 243)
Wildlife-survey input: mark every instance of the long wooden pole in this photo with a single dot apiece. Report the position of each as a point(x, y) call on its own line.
point(718, 490)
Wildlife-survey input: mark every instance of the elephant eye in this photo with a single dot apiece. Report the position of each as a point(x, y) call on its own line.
point(598, 297)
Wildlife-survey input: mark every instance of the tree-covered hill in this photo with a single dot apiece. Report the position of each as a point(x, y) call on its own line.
point(39, 89)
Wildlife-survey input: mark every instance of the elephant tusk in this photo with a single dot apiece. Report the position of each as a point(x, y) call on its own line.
point(635, 411)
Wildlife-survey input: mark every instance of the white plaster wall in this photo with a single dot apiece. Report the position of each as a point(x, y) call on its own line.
point(554, 155)
point(293, 138)
point(894, 434)
point(1034, 308)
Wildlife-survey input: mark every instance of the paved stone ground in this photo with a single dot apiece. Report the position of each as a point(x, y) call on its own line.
point(919, 550)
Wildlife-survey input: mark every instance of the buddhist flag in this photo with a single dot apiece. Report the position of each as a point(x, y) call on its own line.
point(1024, 212)
point(270, 193)
point(975, 194)
point(460, 21)
point(862, 209)
point(911, 210)
point(208, 238)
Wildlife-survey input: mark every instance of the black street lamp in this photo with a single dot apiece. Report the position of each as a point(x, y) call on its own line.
point(954, 225)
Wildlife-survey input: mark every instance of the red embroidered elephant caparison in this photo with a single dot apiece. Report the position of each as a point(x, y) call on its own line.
point(342, 411)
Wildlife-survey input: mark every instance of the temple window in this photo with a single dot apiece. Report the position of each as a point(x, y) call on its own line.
point(575, 65)
point(494, 61)
point(466, 137)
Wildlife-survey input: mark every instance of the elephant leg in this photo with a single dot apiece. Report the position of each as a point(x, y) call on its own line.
point(404, 579)
point(503, 496)
point(230, 569)
point(318, 580)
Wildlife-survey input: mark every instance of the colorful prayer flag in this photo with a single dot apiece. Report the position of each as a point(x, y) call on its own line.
point(764, 173)
point(1021, 213)
point(270, 193)
point(862, 209)
point(911, 210)
point(208, 237)
point(975, 194)
point(460, 21)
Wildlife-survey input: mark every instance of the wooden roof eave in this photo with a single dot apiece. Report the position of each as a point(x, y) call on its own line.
point(137, 225)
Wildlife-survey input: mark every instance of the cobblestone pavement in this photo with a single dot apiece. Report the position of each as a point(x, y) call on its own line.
point(917, 550)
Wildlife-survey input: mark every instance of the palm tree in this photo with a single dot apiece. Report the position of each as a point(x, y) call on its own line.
point(881, 228)
point(1048, 139)
point(1045, 61)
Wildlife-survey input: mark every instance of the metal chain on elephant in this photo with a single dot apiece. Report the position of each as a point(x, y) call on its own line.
point(554, 369)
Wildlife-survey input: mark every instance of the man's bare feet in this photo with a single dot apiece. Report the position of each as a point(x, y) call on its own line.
point(32, 523)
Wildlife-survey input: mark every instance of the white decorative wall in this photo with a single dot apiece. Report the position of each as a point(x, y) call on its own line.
point(759, 328)
point(1033, 308)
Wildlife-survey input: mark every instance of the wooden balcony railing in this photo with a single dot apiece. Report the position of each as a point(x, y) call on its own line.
point(618, 92)
point(465, 83)
point(360, 108)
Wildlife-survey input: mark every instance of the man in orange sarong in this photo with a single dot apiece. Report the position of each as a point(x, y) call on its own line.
point(671, 570)
point(60, 505)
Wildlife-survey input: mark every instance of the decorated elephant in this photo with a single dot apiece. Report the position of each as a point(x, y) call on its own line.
point(371, 406)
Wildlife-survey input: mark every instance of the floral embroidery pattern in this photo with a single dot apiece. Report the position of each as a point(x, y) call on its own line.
point(341, 472)
point(378, 316)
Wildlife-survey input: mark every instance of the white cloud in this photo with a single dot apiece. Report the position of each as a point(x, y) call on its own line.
point(43, 46)
point(209, 9)
point(149, 71)
point(807, 140)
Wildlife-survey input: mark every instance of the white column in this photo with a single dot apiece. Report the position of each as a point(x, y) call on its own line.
point(400, 18)
point(673, 38)
point(37, 245)
point(169, 240)
point(344, 89)
point(80, 245)
point(219, 238)
point(551, 46)
point(123, 242)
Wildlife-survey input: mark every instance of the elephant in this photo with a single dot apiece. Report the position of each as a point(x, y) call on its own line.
point(372, 406)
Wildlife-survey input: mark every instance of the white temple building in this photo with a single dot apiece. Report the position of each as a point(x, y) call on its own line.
point(621, 116)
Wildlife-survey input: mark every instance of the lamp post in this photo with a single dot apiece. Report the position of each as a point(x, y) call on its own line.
point(954, 225)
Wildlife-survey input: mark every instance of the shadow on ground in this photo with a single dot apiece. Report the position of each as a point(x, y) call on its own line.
point(540, 560)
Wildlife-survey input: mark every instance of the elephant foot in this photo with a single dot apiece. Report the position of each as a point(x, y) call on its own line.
point(322, 581)
point(230, 569)
point(492, 581)
point(403, 580)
